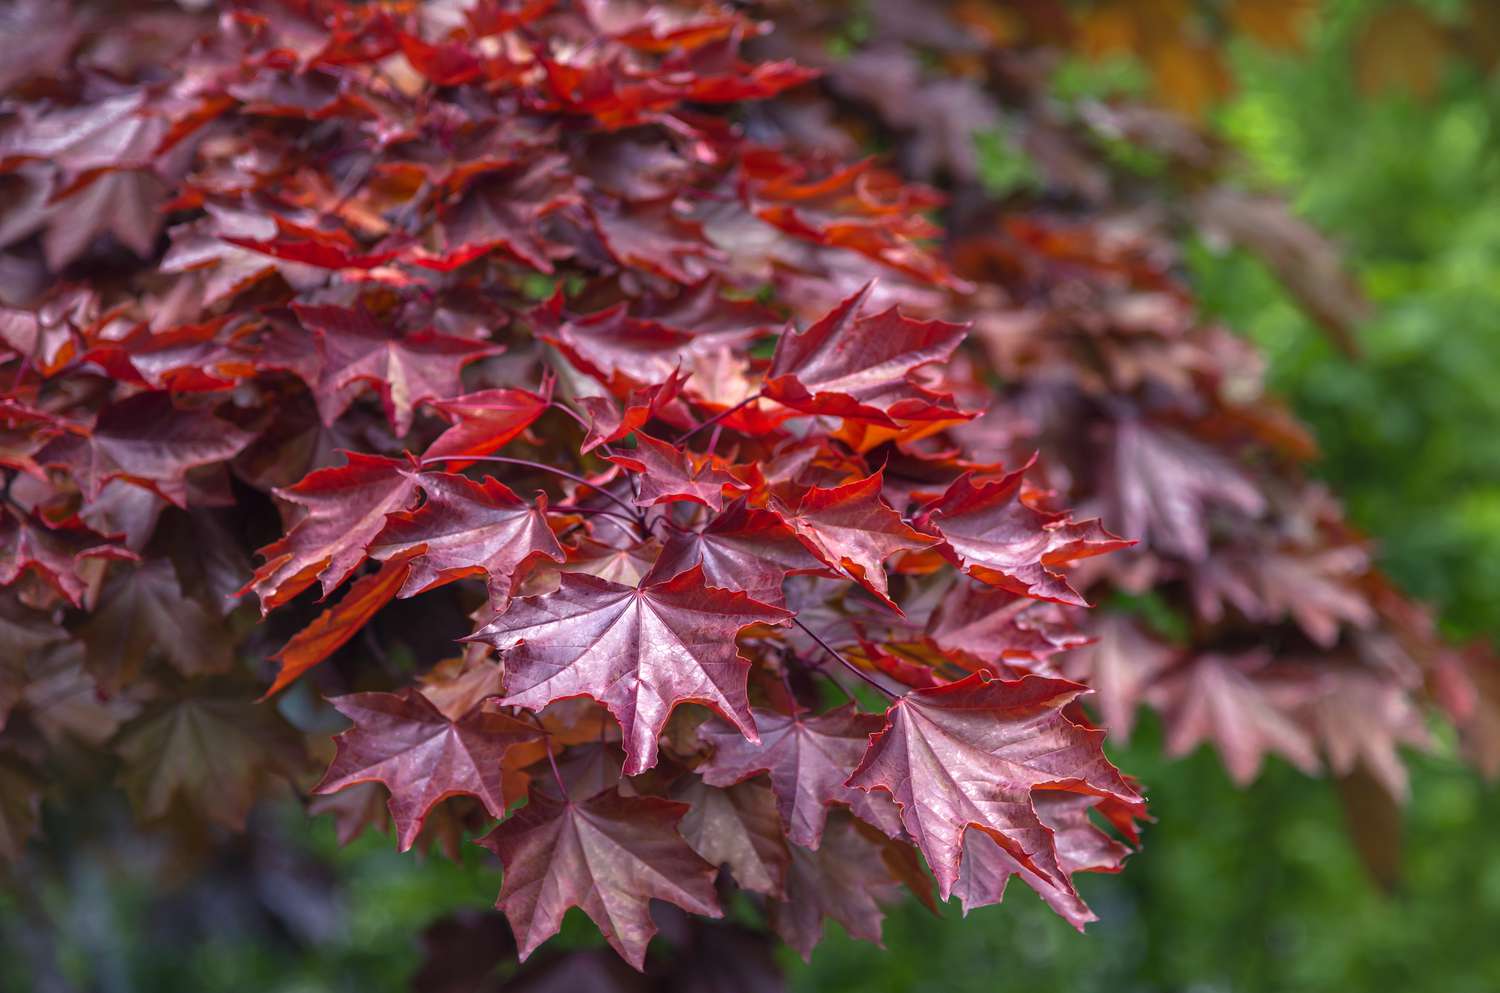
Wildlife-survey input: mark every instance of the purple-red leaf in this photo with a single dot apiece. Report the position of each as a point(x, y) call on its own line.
point(610, 855)
point(744, 549)
point(406, 367)
point(668, 474)
point(737, 827)
point(808, 757)
point(993, 536)
point(343, 509)
point(850, 365)
point(331, 629)
point(852, 529)
point(147, 441)
point(485, 421)
point(423, 756)
point(640, 651)
point(969, 754)
point(464, 528)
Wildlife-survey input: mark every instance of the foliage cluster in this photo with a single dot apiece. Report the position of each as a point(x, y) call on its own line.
point(596, 239)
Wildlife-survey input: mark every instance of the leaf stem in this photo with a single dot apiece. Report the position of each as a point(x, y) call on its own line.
point(840, 656)
point(547, 743)
point(577, 418)
point(719, 417)
point(562, 787)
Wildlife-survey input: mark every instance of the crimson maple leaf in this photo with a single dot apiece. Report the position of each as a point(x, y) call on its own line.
point(668, 474)
point(993, 536)
point(852, 529)
point(464, 528)
point(1120, 665)
point(1360, 718)
point(637, 352)
point(969, 754)
point(422, 755)
point(652, 236)
point(503, 210)
point(994, 625)
point(1081, 847)
point(609, 423)
point(324, 248)
point(622, 351)
point(809, 757)
point(853, 366)
point(406, 367)
point(640, 651)
point(343, 510)
point(57, 553)
point(486, 420)
point(1165, 483)
point(610, 855)
point(331, 629)
point(742, 549)
point(125, 203)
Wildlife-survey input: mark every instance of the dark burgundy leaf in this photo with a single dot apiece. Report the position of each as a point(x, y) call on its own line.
point(609, 855)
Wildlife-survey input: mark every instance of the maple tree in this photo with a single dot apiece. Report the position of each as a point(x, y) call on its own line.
point(644, 486)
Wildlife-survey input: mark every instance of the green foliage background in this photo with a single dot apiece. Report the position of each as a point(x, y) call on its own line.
point(1254, 890)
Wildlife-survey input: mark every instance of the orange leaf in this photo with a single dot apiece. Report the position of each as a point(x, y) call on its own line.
point(336, 625)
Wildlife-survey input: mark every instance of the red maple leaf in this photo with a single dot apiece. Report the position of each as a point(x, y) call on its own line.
point(610, 855)
point(148, 441)
point(969, 754)
point(737, 827)
point(464, 528)
point(853, 530)
point(609, 423)
point(1081, 847)
point(333, 628)
point(640, 651)
point(844, 879)
point(485, 421)
point(809, 757)
point(853, 366)
point(342, 510)
point(406, 367)
point(1231, 702)
point(744, 549)
point(422, 755)
point(668, 474)
point(1120, 665)
point(56, 553)
point(993, 536)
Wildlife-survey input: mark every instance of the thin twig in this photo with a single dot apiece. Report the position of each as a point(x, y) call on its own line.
point(578, 418)
point(552, 761)
point(838, 685)
point(840, 656)
point(562, 787)
point(719, 417)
